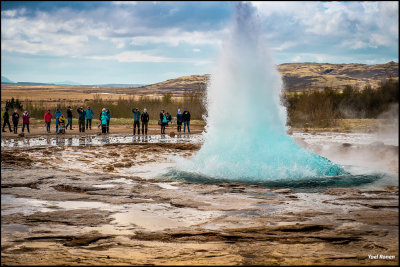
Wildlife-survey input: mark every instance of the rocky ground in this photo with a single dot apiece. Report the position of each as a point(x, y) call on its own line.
point(104, 205)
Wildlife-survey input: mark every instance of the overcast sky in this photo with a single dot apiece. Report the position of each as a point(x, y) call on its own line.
point(147, 42)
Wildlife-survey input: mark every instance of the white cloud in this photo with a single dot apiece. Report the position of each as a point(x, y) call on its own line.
point(175, 36)
point(354, 44)
point(133, 56)
point(299, 26)
point(133, 3)
point(119, 42)
point(138, 56)
point(285, 45)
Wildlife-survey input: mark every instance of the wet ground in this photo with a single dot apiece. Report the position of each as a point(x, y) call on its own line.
point(104, 201)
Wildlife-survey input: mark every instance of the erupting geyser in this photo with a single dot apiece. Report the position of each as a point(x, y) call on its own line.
point(245, 137)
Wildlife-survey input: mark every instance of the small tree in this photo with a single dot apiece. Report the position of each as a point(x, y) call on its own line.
point(13, 104)
point(167, 98)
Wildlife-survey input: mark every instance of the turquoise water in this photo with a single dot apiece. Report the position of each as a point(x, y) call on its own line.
point(245, 138)
point(304, 184)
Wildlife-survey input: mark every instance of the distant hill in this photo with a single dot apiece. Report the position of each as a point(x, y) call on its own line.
point(120, 85)
point(297, 77)
point(5, 80)
point(301, 76)
point(192, 83)
point(66, 83)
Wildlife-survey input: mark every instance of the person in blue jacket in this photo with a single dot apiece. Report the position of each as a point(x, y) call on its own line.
point(104, 120)
point(179, 120)
point(89, 117)
point(57, 116)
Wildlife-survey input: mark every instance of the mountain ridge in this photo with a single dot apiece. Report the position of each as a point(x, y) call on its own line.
point(299, 77)
point(296, 77)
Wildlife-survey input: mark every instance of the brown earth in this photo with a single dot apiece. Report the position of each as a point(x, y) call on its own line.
point(60, 207)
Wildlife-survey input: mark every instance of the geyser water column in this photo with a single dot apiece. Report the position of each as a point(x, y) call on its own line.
point(245, 137)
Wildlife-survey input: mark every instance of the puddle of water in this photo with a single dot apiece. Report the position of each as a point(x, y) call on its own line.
point(245, 213)
point(104, 185)
point(122, 180)
point(20, 228)
point(27, 206)
point(110, 229)
point(147, 220)
point(260, 192)
point(85, 205)
point(156, 217)
point(263, 195)
point(167, 186)
point(147, 171)
point(352, 138)
point(97, 140)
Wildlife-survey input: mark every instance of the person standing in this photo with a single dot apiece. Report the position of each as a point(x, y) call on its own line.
point(108, 114)
point(103, 121)
point(81, 119)
point(179, 120)
point(25, 121)
point(15, 119)
point(47, 119)
point(186, 119)
point(136, 119)
point(6, 120)
point(89, 117)
point(163, 121)
point(57, 115)
point(69, 118)
point(169, 118)
point(145, 121)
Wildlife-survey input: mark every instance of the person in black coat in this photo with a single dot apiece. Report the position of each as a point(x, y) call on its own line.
point(69, 118)
point(15, 119)
point(186, 119)
point(81, 119)
point(6, 120)
point(145, 121)
point(163, 121)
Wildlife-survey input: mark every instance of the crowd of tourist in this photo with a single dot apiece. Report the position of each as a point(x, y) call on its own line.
point(85, 117)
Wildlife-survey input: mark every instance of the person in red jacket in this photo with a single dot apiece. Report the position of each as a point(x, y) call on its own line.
point(25, 120)
point(47, 120)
